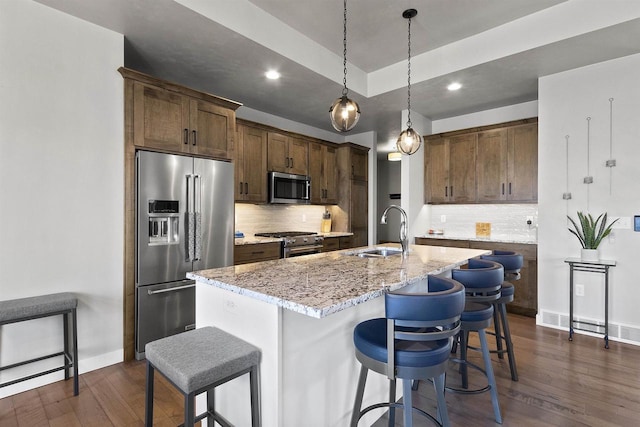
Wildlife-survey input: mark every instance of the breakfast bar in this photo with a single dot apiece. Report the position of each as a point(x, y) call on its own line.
point(301, 313)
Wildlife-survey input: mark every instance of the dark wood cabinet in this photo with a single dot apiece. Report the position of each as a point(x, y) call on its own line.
point(525, 299)
point(351, 214)
point(251, 165)
point(490, 164)
point(172, 118)
point(256, 252)
point(324, 173)
point(287, 154)
point(450, 169)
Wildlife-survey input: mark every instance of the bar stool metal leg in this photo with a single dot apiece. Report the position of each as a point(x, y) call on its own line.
point(74, 319)
point(509, 343)
point(496, 328)
point(357, 405)
point(489, 371)
point(148, 397)
point(189, 410)
point(254, 381)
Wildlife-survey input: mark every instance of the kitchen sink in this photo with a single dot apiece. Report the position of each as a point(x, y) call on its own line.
point(376, 252)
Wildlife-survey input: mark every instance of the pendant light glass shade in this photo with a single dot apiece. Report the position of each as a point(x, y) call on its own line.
point(344, 112)
point(409, 140)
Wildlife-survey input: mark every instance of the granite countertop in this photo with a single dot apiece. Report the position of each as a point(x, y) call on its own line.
point(325, 283)
point(250, 239)
point(498, 239)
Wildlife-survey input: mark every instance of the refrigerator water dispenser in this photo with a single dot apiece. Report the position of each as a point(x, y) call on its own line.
point(163, 222)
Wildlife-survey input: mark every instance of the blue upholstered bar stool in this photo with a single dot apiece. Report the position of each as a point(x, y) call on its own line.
point(413, 342)
point(512, 263)
point(482, 281)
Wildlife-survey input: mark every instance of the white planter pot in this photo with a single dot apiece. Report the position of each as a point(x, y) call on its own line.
point(589, 255)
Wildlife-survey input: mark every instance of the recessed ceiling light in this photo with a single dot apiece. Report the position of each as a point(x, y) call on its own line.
point(454, 86)
point(272, 75)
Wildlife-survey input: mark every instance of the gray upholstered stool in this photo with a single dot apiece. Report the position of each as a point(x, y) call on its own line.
point(197, 361)
point(19, 310)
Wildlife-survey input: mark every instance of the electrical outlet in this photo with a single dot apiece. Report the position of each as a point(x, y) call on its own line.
point(230, 306)
point(579, 290)
point(443, 218)
point(623, 223)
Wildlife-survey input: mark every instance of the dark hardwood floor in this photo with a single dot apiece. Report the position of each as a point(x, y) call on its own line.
point(561, 383)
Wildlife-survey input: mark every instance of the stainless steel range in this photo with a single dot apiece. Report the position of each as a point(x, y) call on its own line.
point(297, 243)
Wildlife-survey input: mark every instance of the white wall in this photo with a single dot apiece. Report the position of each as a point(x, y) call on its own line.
point(565, 101)
point(61, 181)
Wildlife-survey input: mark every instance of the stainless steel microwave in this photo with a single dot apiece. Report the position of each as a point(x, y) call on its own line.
point(289, 188)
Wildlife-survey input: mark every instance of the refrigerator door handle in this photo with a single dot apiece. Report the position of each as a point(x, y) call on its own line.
point(197, 195)
point(189, 218)
point(177, 288)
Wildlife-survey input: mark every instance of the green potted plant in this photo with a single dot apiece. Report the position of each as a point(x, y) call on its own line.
point(590, 233)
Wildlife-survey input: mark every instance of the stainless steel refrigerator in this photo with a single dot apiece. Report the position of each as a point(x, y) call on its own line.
point(184, 222)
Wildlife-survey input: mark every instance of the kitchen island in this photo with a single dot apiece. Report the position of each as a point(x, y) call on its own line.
point(301, 313)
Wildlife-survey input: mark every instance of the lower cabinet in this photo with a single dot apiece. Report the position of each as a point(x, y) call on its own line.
point(335, 243)
point(255, 252)
point(525, 300)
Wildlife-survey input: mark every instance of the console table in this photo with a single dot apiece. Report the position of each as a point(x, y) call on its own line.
point(600, 266)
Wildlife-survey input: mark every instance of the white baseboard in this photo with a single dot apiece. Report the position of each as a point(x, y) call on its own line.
point(629, 334)
point(84, 365)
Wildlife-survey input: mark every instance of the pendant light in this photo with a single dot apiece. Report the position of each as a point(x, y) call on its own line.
point(409, 140)
point(344, 112)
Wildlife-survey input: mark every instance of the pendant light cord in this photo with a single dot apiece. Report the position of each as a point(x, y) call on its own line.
point(345, 91)
point(409, 78)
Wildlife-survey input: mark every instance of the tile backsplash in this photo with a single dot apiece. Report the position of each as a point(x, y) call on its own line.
point(508, 221)
point(251, 219)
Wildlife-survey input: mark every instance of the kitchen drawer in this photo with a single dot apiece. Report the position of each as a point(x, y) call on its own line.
point(451, 243)
point(346, 242)
point(243, 254)
point(330, 244)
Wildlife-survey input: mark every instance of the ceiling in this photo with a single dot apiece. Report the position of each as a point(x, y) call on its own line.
point(497, 49)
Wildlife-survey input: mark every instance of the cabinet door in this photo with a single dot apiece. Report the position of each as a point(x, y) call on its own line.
point(462, 168)
point(212, 130)
point(358, 212)
point(359, 165)
point(316, 169)
point(298, 152)
point(436, 176)
point(277, 152)
point(330, 175)
point(491, 165)
point(160, 119)
point(251, 165)
point(522, 161)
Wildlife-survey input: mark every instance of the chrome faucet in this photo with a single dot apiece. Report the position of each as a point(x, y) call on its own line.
point(403, 228)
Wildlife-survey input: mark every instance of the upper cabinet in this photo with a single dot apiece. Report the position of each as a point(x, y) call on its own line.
point(251, 164)
point(287, 154)
point(173, 118)
point(323, 171)
point(493, 164)
point(450, 169)
point(351, 214)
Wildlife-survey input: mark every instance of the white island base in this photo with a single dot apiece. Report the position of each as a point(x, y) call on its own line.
point(308, 370)
point(301, 313)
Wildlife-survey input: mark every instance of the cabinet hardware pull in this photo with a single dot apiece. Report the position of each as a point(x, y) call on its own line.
point(446, 191)
point(352, 171)
point(246, 188)
point(286, 161)
point(503, 188)
point(257, 252)
point(194, 137)
point(509, 188)
point(291, 158)
point(186, 136)
point(240, 188)
point(452, 191)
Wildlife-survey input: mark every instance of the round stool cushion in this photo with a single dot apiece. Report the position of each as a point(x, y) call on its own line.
point(507, 289)
point(476, 312)
point(370, 338)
